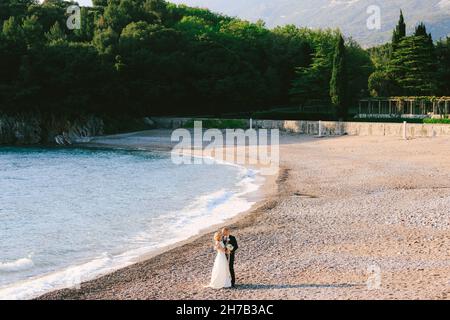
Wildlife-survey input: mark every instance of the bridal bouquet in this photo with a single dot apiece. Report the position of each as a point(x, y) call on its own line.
point(230, 247)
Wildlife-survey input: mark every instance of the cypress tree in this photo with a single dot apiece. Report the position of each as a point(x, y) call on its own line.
point(395, 69)
point(421, 31)
point(443, 62)
point(338, 83)
point(399, 31)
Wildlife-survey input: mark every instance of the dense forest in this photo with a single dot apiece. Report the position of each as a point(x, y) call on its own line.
point(151, 57)
point(411, 65)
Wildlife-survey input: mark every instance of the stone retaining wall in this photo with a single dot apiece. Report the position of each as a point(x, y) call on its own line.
point(330, 128)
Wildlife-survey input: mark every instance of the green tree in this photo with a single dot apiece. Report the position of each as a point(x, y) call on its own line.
point(32, 32)
point(87, 28)
point(100, 3)
point(288, 47)
point(338, 83)
point(49, 12)
point(407, 66)
point(56, 33)
point(14, 8)
point(413, 64)
point(381, 84)
point(399, 31)
point(358, 71)
point(443, 63)
point(157, 8)
point(12, 30)
point(119, 13)
point(137, 35)
point(313, 82)
point(150, 57)
point(196, 27)
point(105, 40)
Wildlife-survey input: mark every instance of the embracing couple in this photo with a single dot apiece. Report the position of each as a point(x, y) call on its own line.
point(222, 275)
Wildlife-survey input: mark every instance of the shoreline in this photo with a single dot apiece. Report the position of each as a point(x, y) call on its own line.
point(259, 197)
point(160, 144)
point(204, 235)
point(341, 207)
point(260, 200)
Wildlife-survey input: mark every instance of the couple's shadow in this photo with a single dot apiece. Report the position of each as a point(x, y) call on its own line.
point(251, 286)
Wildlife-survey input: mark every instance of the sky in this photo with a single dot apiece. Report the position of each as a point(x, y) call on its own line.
point(81, 2)
point(85, 2)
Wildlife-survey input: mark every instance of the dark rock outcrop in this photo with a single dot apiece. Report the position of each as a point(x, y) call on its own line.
point(37, 129)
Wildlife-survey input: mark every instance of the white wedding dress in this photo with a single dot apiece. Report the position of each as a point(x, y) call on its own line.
point(220, 276)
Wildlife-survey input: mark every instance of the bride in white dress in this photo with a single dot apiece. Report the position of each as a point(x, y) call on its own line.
point(220, 276)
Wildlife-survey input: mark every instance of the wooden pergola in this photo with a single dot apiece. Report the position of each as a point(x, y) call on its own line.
point(405, 106)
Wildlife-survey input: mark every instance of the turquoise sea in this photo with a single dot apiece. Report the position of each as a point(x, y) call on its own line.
point(71, 214)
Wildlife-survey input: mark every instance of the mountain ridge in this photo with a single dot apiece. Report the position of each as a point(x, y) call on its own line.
point(348, 15)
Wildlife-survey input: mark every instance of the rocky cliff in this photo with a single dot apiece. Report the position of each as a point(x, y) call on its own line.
point(32, 129)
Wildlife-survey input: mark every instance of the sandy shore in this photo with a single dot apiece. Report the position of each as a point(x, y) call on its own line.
point(339, 208)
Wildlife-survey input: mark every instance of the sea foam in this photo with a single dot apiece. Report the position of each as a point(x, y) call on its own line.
point(17, 265)
point(157, 204)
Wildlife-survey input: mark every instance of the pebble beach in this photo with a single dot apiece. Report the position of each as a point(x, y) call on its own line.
point(346, 218)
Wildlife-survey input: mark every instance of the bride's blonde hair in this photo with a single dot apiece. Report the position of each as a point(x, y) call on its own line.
point(218, 236)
